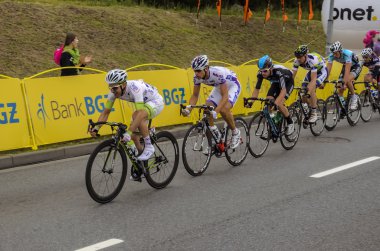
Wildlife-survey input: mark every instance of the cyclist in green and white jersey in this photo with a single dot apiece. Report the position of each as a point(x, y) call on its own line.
point(315, 64)
point(148, 103)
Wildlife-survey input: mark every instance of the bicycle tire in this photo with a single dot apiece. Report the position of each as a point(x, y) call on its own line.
point(319, 125)
point(192, 152)
point(353, 116)
point(262, 133)
point(289, 141)
point(156, 168)
point(236, 156)
point(367, 105)
point(108, 147)
point(332, 113)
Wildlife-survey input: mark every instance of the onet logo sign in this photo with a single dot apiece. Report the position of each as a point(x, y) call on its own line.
point(57, 110)
point(358, 14)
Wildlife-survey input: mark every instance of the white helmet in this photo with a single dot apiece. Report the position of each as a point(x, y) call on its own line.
point(116, 77)
point(366, 52)
point(337, 46)
point(199, 62)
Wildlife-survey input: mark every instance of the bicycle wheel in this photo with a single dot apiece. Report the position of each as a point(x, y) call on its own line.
point(289, 141)
point(332, 113)
point(367, 105)
point(236, 156)
point(196, 150)
point(162, 166)
point(317, 127)
point(353, 116)
point(106, 171)
point(259, 135)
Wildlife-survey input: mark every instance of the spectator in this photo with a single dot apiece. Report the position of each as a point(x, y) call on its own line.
point(70, 56)
point(370, 38)
point(376, 47)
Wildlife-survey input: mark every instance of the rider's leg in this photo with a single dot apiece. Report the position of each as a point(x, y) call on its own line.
point(139, 121)
point(228, 116)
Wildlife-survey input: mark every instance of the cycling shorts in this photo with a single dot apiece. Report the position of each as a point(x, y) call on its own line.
point(216, 96)
point(321, 76)
point(275, 89)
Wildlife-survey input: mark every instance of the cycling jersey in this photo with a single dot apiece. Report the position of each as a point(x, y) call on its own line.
point(137, 91)
point(373, 62)
point(144, 95)
point(314, 62)
point(280, 74)
point(218, 76)
point(346, 56)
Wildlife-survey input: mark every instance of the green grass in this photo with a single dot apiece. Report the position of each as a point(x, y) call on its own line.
point(124, 36)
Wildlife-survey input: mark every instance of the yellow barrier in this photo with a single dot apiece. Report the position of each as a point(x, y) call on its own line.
point(13, 117)
point(37, 111)
point(61, 106)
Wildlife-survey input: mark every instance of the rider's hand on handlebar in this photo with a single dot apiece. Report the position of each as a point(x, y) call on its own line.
point(126, 137)
point(94, 131)
point(249, 105)
point(185, 112)
point(214, 114)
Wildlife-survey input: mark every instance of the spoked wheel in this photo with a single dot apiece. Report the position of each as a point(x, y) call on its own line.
point(163, 165)
point(317, 127)
point(237, 155)
point(367, 108)
point(332, 113)
point(106, 171)
point(196, 150)
point(353, 116)
point(259, 135)
point(289, 141)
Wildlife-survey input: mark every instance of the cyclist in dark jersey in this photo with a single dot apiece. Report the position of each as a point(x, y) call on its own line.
point(372, 62)
point(282, 83)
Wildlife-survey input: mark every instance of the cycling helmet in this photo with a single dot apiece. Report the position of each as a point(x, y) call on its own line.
point(265, 62)
point(116, 77)
point(302, 50)
point(366, 52)
point(199, 62)
point(337, 46)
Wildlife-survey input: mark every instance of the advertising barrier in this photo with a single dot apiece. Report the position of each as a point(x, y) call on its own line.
point(38, 111)
point(60, 107)
point(13, 116)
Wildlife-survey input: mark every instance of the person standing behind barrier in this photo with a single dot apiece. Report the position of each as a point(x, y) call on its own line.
point(70, 56)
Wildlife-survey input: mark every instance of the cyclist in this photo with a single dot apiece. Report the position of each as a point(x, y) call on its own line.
point(223, 97)
point(315, 64)
point(148, 103)
point(350, 70)
point(372, 62)
point(282, 83)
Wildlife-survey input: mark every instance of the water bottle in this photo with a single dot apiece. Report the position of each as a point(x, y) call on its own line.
point(342, 100)
point(277, 117)
point(375, 93)
point(305, 107)
point(215, 131)
point(132, 148)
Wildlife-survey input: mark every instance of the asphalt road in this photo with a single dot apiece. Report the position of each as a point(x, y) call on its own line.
point(270, 203)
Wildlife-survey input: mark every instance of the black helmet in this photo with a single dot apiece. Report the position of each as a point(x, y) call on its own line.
point(302, 50)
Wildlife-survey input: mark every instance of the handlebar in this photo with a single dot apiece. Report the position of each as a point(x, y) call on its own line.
point(201, 107)
point(92, 124)
point(249, 104)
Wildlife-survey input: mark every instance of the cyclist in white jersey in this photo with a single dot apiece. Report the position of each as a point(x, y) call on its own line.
point(223, 97)
point(148, 104)
point(315, 64)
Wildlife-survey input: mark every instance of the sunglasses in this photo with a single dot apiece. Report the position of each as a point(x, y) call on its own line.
point(264, 71)
point(114, 89)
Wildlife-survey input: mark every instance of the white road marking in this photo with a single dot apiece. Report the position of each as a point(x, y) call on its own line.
point(344, 167)
point(101, 245)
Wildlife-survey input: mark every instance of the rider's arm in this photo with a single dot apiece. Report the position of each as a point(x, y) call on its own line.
point(255, 93)
point(194, 97)
point(295, 68)
point(224, 100)
point(347, 71)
